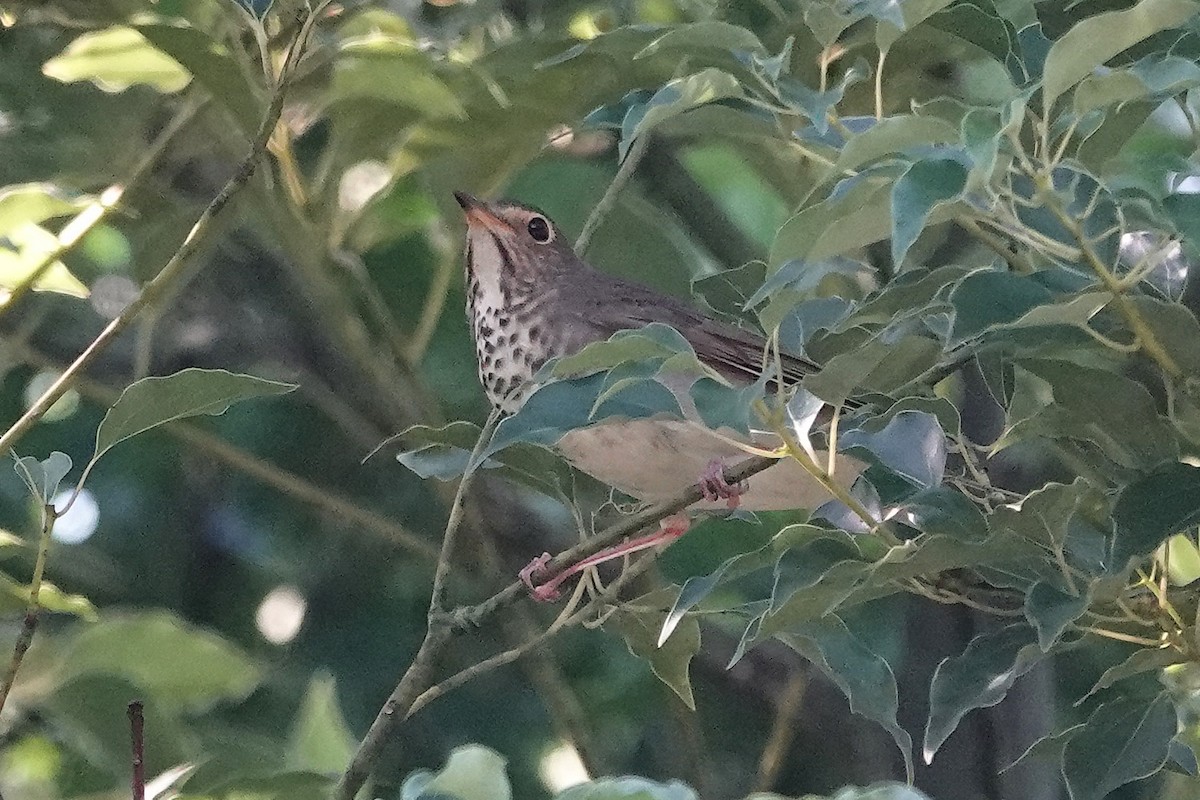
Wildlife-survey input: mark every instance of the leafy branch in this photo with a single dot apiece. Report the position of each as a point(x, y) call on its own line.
point(174, 270)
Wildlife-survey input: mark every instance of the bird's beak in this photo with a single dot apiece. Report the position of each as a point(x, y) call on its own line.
point(478, 212)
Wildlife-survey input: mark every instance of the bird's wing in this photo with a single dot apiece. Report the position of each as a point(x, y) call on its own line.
point(613, 305)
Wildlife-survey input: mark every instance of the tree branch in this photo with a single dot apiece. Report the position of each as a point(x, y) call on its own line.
point(443, 626)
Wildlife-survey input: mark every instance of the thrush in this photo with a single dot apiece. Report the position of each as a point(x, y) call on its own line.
point(531, 298)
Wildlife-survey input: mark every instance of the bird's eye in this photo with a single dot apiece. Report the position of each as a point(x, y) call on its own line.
point(539, 229)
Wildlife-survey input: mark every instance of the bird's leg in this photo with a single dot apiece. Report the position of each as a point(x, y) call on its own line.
point(669, 530)
point(715, 487)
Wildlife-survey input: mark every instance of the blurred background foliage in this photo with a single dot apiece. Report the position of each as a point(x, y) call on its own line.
point(261, 584)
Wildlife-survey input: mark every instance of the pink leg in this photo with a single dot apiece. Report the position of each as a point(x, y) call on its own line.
point(669, 530)
point(715, 487)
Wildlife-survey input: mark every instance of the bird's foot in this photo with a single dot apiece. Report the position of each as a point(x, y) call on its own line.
point(715, 487)
point(669, 530)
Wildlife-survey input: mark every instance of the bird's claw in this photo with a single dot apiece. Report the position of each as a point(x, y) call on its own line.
point(547, 592)
point(715, 487)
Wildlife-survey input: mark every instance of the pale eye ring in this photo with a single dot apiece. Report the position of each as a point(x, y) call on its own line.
point(539, 229)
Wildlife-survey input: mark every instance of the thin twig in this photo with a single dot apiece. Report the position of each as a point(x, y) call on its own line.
point(33, 610)
point(431, 311)
point(472, 616)
point(137, 726)
point(419, 672)
point(508, 656)
point(783, 731)
point(606, 203)
point(440, 630)
point(1017, 261)
point(441, 573)
point(88, 218)
point(174, 268)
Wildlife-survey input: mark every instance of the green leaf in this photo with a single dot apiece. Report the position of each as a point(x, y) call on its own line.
point(710, 33)
point(676, 97)
point(1112, 412)
point(654, 341)
point(1175, 327)
point(87, 715)
point(43, 477)
point(392, 70)
point(472, 772)
point(1157, 76)
point(281, 786)
point(320, 739)
point(1050, 610)
point(862, 674)
point(1123, 740)
point(115, 59)
point(213, 66)
point(443, 453)
point(1047, 748)
point(699, 587)
point(1147, 659)
point(1097, 39)
point(914, 12)
point(977, 22)
point(989, 297)
point(182, 667)
point(35, 203)
point(151, 402)
point(562, 406)
point(978, 678)
point(669, 658)
point(628, 788)
point(1151, 509)
point(1045, 515)
point(853, 218)
point(942, 511)
point(24, 249)
point(911, 444)
point(924, 186)
point(14, 599)
point(892, 135)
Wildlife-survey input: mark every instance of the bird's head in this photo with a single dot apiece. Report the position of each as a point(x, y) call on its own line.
point(508, 240)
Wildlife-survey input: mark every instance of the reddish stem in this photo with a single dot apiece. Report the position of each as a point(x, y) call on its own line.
point(136, 733)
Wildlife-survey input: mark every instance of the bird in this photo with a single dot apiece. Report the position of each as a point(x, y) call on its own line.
point(531, 298)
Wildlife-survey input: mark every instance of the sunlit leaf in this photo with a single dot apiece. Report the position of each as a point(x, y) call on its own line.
point(320, 739)
point(29, 247)
point(472, 772)
point(35, 203)
point(115, 59)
